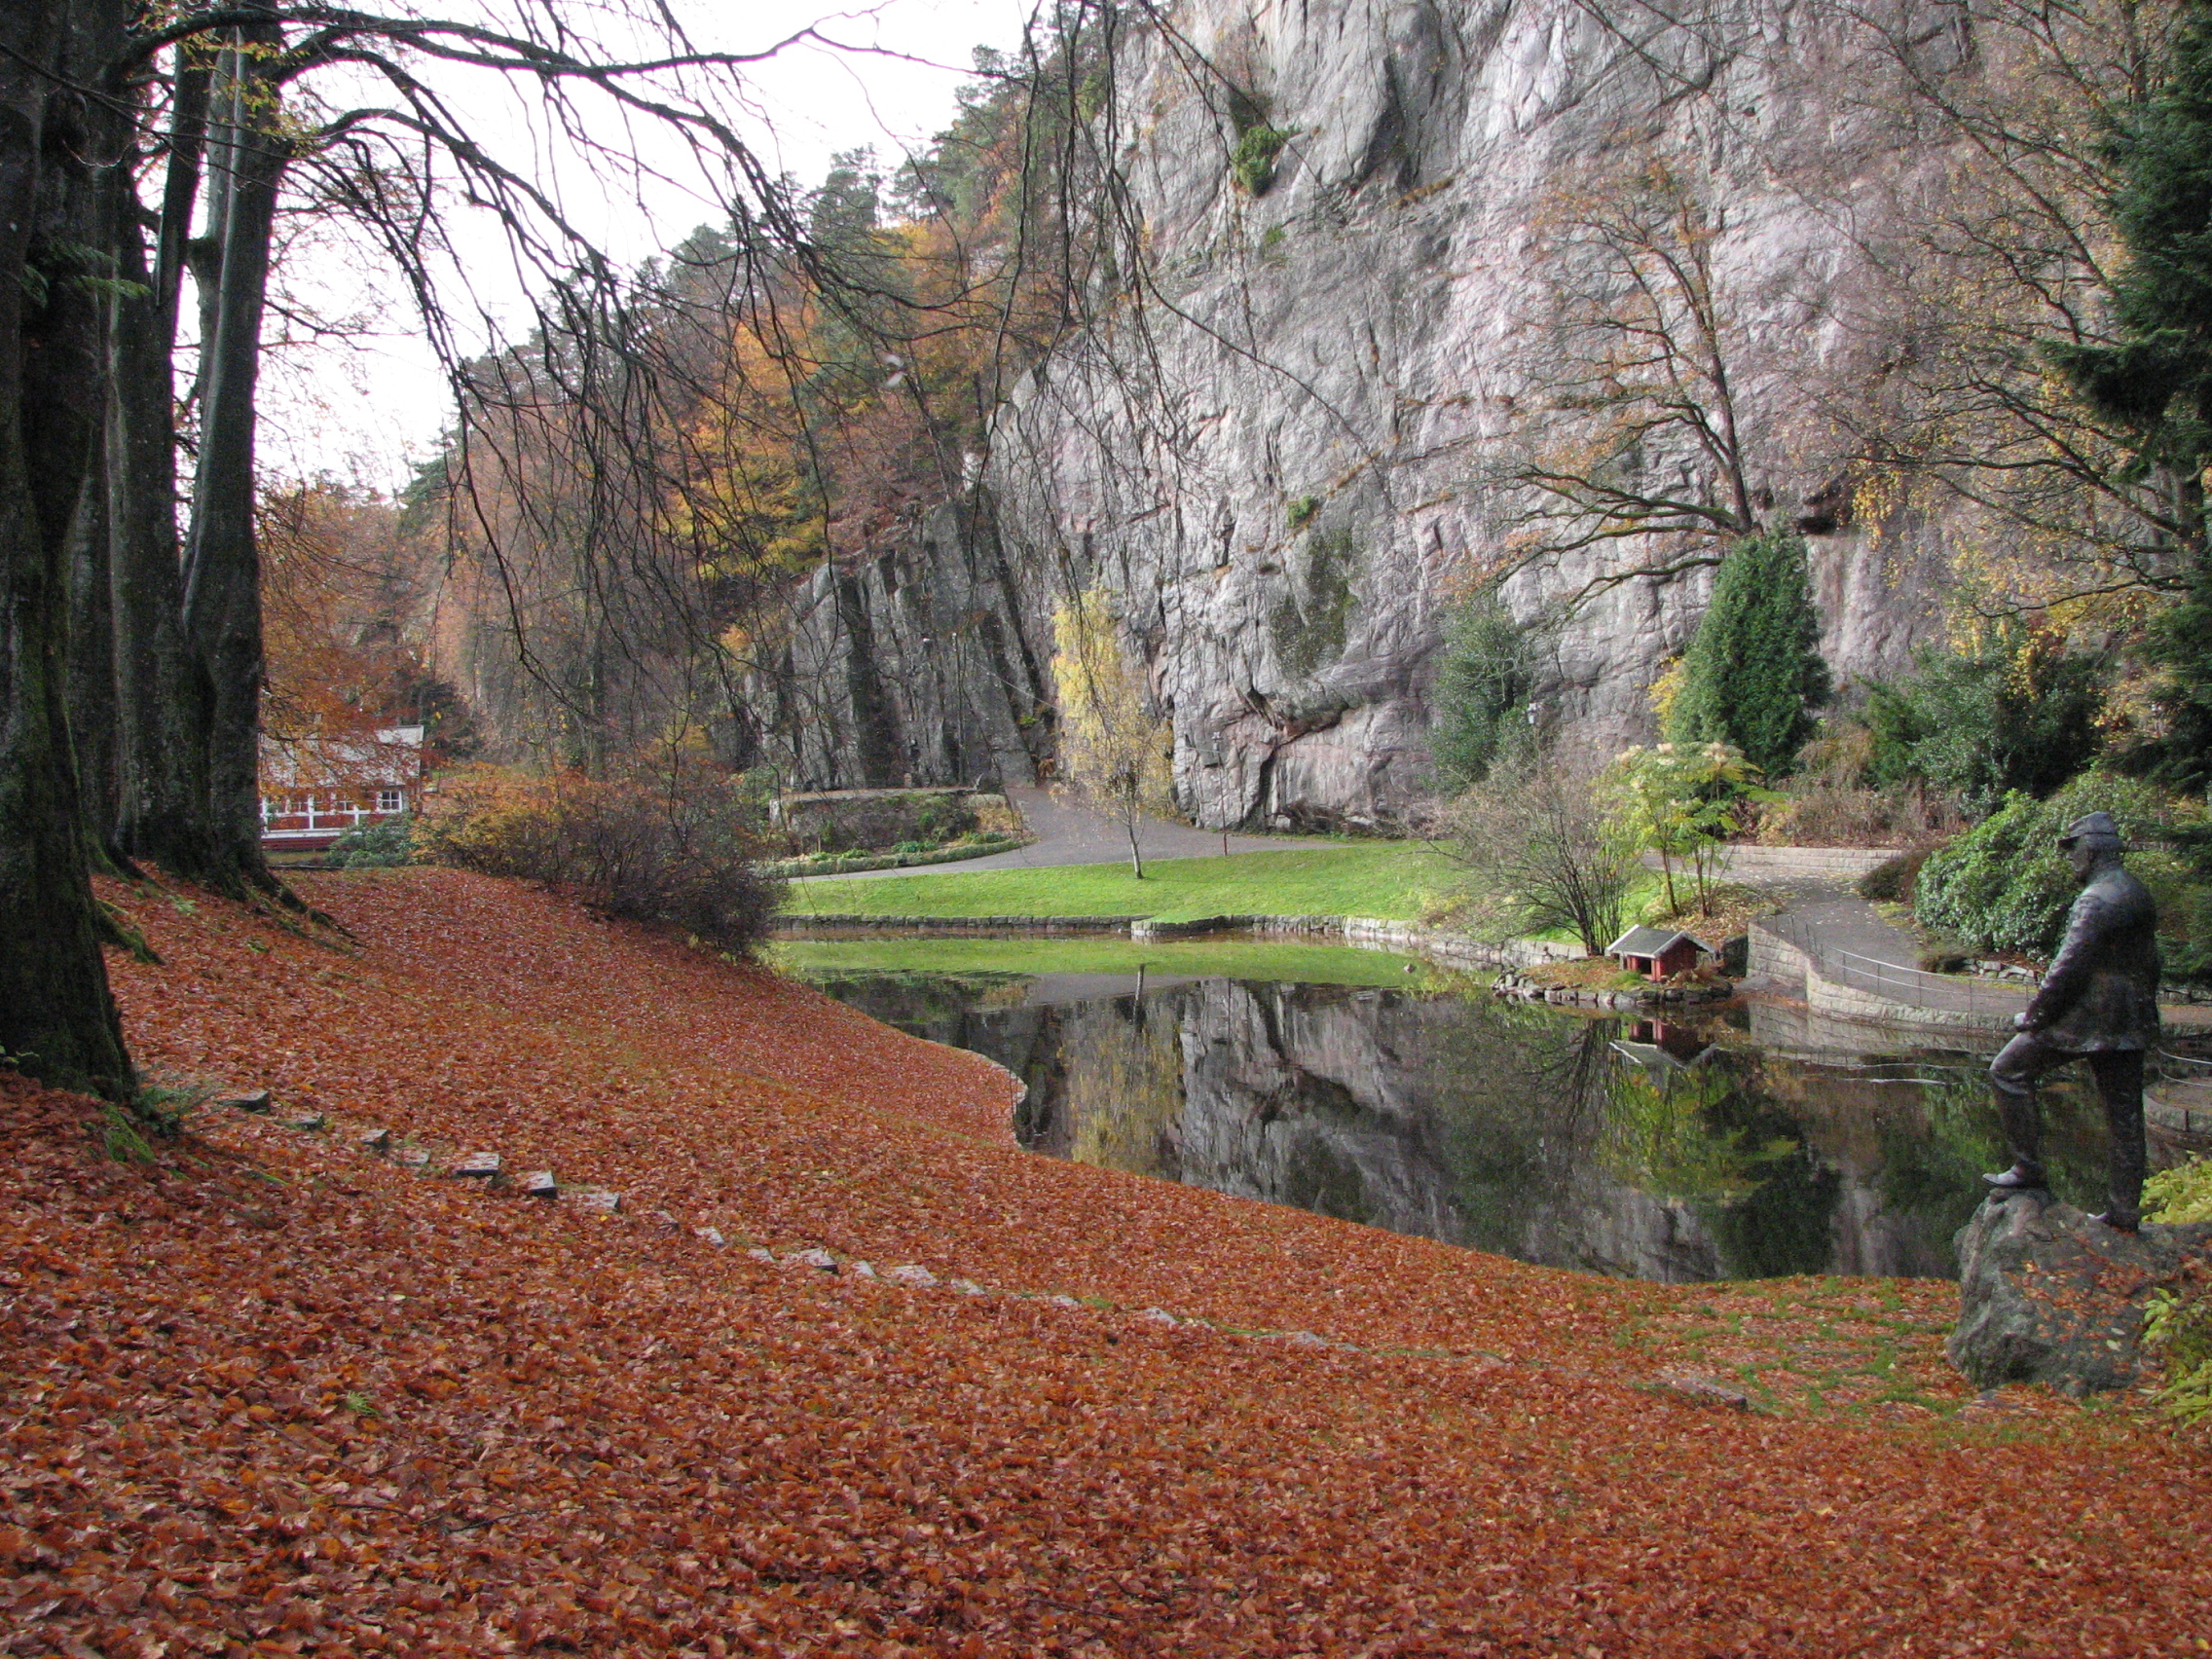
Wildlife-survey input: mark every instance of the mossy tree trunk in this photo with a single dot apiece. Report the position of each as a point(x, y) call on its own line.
point(57, 1018)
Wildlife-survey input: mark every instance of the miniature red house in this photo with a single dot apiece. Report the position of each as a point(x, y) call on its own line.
point(315, 789)
point(1656, 953)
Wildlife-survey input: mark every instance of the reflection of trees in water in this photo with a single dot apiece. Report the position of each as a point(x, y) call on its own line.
point(1933, 1163)
point(1663, 1134)
point(1505, 1128)
point(1782, 1222)
point(1518, 1093)
point(1122, 1095)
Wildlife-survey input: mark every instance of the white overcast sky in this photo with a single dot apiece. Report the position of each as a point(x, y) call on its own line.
point(369, 409)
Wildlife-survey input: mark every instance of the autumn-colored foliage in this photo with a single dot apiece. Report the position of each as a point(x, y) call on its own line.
point(274, 1394)
point(680, 850)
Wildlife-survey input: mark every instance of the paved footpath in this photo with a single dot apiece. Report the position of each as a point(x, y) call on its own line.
point(1828, 918)
point(1069, 832)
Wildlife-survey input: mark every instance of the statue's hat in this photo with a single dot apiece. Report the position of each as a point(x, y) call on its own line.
point(2090, 824)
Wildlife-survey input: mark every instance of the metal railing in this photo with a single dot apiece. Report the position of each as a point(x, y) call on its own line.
point(1914, 988)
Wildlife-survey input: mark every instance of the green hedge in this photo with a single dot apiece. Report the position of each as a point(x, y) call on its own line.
point(2003, 885)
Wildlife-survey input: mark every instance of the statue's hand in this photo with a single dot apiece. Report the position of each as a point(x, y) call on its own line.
point(2021, 1022)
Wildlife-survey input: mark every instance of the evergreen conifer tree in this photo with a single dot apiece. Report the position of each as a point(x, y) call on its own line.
point(2156, 384)
point(1484, 682)
point(1754, 674)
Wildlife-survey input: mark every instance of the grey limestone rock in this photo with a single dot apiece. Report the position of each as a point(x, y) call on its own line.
point(1285, 475)
point(2047, 1295)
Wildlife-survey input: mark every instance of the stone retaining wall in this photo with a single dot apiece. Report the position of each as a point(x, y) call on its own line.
point(1775, 963)
point(1447, 949)
point(962, 923)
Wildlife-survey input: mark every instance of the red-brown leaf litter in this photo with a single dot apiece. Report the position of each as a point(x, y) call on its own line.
point(272, 1393)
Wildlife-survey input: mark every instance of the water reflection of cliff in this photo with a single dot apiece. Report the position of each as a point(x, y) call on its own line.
point(1565, 1141)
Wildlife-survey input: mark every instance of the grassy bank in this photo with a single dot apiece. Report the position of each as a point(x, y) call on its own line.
point(1387, 879)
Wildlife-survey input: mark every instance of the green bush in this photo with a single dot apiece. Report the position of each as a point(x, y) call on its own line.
point(2020, 712)
point(375, 846)
point(1891, 880)
point(2177, 1324)
point(2003, 885)
point(1252, 162)
point(1752, 675)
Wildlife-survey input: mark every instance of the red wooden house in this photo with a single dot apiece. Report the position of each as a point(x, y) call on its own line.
point(314, 788)
point(1656, 953)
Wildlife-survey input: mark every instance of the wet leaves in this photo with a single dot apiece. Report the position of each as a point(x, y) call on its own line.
point(416, 1415)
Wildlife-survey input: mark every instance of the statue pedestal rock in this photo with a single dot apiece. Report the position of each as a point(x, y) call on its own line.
point(2047, 1295)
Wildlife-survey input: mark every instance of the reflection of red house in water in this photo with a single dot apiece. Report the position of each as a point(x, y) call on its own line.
point(314, 788)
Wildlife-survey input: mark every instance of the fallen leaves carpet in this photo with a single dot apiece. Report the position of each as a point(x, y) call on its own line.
point(273, 1394)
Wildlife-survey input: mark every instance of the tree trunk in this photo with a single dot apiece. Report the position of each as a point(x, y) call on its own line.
point(91, 661)
point(162, 802)
point(58, 1019)
point(222, 594)
point(1130, 815)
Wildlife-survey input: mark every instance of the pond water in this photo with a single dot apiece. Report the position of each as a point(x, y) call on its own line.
point(1358, 1085)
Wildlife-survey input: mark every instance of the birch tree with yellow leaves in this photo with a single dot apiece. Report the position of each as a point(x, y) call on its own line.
point(1113, 746)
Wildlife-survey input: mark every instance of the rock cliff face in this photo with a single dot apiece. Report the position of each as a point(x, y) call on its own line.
point(1283, 451)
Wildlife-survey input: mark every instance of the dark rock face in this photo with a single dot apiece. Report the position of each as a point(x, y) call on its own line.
point(2047, 1295)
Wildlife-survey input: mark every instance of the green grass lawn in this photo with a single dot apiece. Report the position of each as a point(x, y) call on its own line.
point(1240, 959)
point(1387, 879)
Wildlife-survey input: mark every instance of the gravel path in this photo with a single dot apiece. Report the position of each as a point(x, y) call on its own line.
point(1069, 832)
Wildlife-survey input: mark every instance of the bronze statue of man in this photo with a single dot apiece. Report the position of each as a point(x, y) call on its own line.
point(2099, 999)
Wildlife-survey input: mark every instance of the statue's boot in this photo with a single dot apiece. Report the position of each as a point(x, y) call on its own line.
point(2012, 1083)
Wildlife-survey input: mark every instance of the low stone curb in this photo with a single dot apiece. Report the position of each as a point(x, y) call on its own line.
point(609, 1210)
point(1445, 948)
point(1515, 986)
point(790, 870)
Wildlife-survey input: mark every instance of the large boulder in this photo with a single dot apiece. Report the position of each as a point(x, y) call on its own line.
point(2047, 1295)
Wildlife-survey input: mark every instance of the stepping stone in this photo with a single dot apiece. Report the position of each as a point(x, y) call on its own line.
point(540, 1183)
point(477, 1166)
point(377, 1142)
point(1298, 1339)
point(912, 1273)
point(761, 1255)
point(710, 1236)
point(597, 1202)
point(1694, 1389)
point(820, 1259)
point(413, 1158)
point(1063, 1302)
point(313, 1123)
point(1160, 1316)
point(862, 1269)
point(665, 1222)
point(257, 1101)
point(968, 1287)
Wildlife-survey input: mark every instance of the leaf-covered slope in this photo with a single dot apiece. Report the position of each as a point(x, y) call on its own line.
point(280, 1392)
